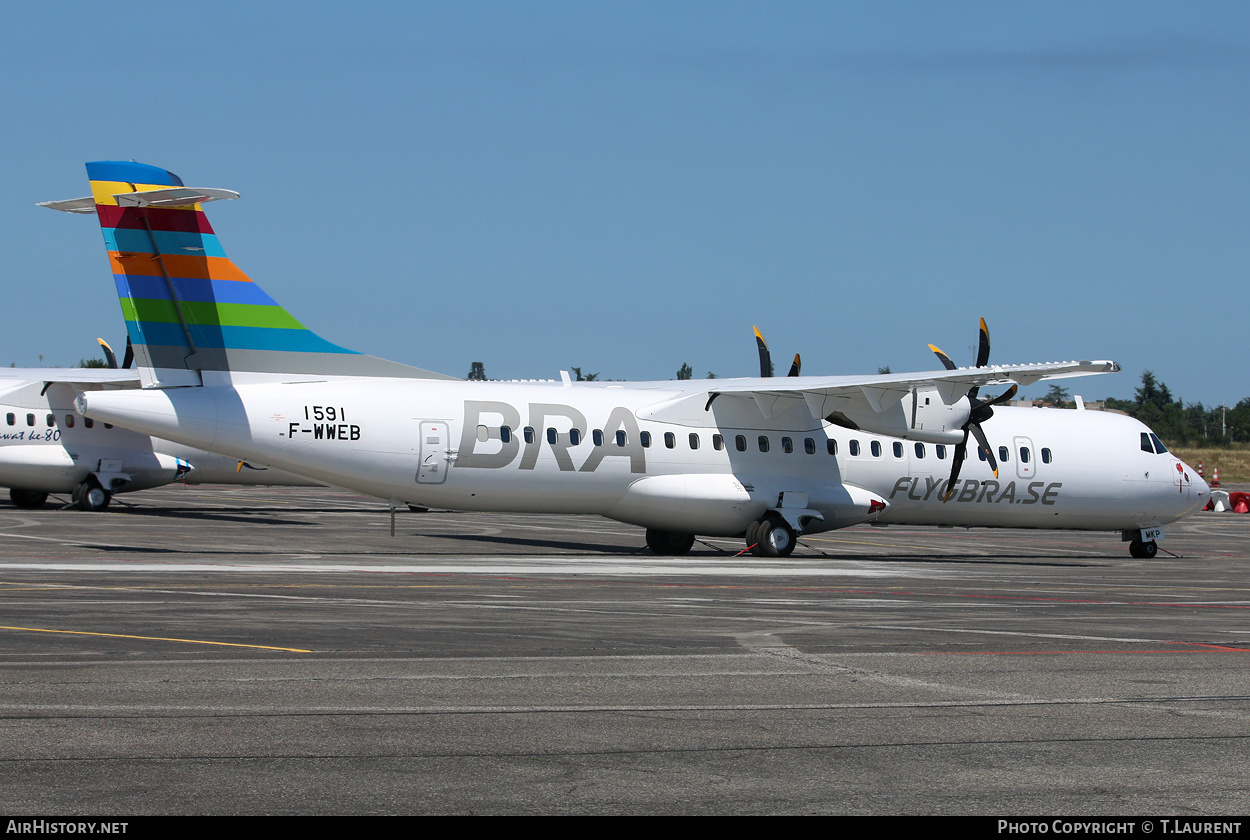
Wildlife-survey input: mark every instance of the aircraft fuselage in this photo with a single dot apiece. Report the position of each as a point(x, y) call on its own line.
point(659, 455)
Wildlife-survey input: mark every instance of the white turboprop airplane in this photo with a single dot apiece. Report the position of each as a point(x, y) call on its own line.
point(45, 447)
point(225, 368)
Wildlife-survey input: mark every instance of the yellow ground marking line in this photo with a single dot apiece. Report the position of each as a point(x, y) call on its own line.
point(156, 639)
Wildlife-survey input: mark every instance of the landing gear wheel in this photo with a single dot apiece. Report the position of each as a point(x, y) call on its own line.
point(1143, 550)
point(668, 543)
point(752, 533)
point(28, 499)
point(774, 538)
point(91, 496)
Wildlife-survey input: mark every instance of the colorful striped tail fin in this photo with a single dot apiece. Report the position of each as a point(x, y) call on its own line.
point(192, 315)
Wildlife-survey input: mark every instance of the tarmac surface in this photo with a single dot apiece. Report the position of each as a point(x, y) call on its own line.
point(277, 651)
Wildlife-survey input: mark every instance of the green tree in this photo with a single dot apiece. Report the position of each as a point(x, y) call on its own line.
point(686, 372)
point(883, 370)
point(92, 363)
point(590, 377)
point(477, 372)
point(1057, 396)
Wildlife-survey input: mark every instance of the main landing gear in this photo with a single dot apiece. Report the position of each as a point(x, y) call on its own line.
point(668, 543)
point(91, 496)
point(1143, 550)
point(771, 536)
point(28, 499)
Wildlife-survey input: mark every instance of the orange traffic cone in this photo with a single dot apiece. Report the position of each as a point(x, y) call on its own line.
point(1215, 477)
point(1201, 474)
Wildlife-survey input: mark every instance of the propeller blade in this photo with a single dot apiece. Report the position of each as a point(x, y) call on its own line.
point(1004, 396)
point(766, 358)
point(945, 359)
point(109, 356)
point(796, 366)
point(961, 452)
point(983, 348)
point(129, 358)
point(976, 430)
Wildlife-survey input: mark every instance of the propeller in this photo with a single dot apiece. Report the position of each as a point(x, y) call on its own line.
point(766, 358)
point(979, 411)
point(109, 356)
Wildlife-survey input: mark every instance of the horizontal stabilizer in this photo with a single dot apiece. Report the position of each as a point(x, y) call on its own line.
point(172, 197)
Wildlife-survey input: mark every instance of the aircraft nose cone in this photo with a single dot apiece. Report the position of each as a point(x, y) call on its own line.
point(1199, 490)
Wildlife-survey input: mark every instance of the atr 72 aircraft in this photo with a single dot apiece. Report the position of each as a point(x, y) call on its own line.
point(225, 368)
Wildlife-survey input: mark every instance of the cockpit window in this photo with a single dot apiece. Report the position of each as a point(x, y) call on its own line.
point(1159, 447)
point(1147, 445)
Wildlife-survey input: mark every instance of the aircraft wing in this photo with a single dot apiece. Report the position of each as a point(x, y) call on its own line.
point(73, 376)
point(881, 392)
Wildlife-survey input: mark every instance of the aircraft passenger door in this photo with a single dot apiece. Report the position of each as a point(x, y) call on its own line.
point(435, 452)
point(1025, 456)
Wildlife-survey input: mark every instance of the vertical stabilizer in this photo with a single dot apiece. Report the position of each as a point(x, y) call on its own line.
point(192, 315)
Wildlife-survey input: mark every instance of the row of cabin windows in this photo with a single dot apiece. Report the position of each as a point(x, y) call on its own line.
point(50, 419)
point(763, 443)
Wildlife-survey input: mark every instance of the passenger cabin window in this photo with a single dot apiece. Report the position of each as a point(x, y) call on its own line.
point(1003, 454)
point(940, 451)
point(575, 436)
point(505, 433)
point(718, 442)
point(787, 445)
point(552, 435)
point(483, 434)
point(809, 446)
point(875, 446)
point(831, 446)
point(694, 440)
point(854, 447)
point(740, 443)
point(30, 419)
point(763, 443)
point(1045, 455)
point(919, 450)
point(898, 449)
point(87, 421)
point(596, 437)
point(69, 421)
point(52, 422)
point(620, 437)
point(12, 418)
point(981, 452)
point(670, 440)
point(645, 439)
point(1024, 455)
point(529, 434)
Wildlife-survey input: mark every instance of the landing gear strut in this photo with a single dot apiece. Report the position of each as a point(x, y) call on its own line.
point(668, 543)
point(1143, 550)
point(91, 496)
point(28, 499)
point(771, 536)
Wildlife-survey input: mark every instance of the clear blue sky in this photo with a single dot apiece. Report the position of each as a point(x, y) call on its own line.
point(626, 187)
